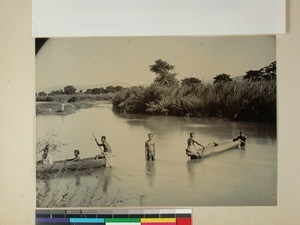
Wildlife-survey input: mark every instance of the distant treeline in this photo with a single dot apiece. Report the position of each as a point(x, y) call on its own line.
point(252, 98)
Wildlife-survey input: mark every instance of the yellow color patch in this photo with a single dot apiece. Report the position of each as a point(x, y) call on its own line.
point(158, 220)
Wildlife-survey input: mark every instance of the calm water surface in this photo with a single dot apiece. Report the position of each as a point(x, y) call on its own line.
point(233, 178)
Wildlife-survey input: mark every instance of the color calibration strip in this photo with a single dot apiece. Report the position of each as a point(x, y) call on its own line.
point(114, 217)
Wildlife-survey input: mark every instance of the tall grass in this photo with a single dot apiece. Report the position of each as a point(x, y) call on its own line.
point(238, 100)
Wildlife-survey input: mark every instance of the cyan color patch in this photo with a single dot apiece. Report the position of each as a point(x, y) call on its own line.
point(86, 220)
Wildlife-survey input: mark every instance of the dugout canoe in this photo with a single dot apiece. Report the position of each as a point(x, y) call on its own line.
point(87, 163)
point(212, 150)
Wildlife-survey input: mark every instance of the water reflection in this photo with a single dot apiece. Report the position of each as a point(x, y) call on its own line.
point(215, 127)
point(242, 152)
point(191, 166)
point(107, 179)
point(150, 171)
point(77, 179)
point(64, 118)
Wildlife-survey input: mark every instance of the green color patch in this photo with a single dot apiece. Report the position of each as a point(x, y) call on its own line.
point(122, 220)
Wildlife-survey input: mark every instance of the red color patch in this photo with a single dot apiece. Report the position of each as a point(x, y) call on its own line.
point(184, 221)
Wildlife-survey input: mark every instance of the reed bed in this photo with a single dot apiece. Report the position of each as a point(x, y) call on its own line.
point(236, 100)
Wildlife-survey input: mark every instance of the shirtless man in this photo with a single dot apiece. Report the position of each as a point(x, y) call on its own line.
point(242, 138)
point(150, 148)
point(106, 148)
point(191, 149)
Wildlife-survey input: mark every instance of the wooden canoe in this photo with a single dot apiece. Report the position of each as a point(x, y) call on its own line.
point(87, 163)
point(214, 150)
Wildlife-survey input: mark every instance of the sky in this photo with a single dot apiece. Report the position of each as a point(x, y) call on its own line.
point(99, 60)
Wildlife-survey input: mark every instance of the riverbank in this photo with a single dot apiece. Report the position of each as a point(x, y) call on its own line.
point(58, 108)
point(236, 100)
point(75, 97)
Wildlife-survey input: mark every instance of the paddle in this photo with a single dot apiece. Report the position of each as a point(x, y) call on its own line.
point(104, 153)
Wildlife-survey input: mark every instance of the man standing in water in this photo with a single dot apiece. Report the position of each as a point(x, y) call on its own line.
point(150, 148)
point(106, 148)
point(242, 138)
point(191, 149)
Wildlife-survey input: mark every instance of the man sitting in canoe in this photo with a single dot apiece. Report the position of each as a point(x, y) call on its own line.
point(76, 158)
point(150, 148)
point(242, 138)
point(191, 149)
point(106, 148)
point(46, 158)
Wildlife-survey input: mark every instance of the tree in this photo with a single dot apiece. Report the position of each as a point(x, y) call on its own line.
point(190, 81)
point(109, 89)
point(265, 73)
point(69, 90)
point(57, 92)
point(222, 78)
point(42, 93)
point(53, 93)
point(88, 91)
point(163, 69)
point(253, 75)
point(95, 91)
point(118, 88)
point(269, 72)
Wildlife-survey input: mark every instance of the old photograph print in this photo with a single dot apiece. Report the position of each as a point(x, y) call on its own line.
point(156, 121)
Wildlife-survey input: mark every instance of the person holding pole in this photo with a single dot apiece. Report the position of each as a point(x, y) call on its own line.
point(242, 138)
point(191, 149)
point(105, 153)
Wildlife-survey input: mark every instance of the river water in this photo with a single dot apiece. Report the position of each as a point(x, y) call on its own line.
point(234, 178)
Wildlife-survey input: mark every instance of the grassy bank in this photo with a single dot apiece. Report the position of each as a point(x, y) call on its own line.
point(238, 100)
point(55, 108)
point(76, 97)
point(52, 104)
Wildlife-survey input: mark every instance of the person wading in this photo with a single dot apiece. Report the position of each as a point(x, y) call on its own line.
point(242, 138)
point(150, 148)
point(191, 148)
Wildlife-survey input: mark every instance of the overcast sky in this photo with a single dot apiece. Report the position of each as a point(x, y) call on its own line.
point(88, 61)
